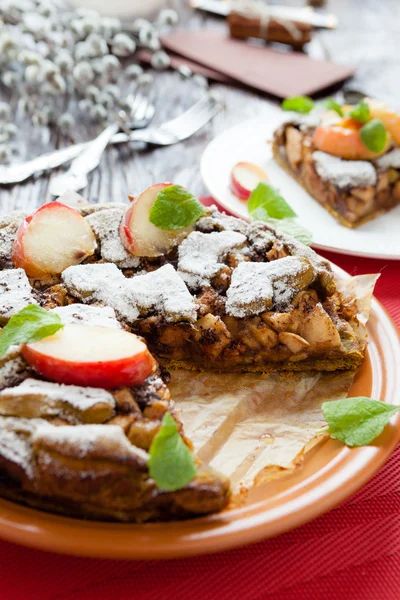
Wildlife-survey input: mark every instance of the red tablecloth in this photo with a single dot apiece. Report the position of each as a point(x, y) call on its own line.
point(351, 553)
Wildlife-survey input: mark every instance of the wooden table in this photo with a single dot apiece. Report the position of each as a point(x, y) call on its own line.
point(367, 36)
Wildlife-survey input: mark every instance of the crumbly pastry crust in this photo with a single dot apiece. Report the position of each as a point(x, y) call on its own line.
point(233, 296)
point(354, 192)
point(83, 452)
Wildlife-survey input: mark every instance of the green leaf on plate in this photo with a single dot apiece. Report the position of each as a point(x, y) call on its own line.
point(331, 104)
point(360, 112)
point(171, 463)
point(300, 104)
point(293, 228)
point(357, 421)
point(31, 324)
point(265, 202)
point(374, 135)
point(175, 208)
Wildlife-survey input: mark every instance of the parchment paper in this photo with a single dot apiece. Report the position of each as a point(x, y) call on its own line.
point(252, 427)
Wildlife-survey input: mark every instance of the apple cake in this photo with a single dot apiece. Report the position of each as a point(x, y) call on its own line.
point(221, 294)
point(325, 153)
point(83, 451)
point(230, 296)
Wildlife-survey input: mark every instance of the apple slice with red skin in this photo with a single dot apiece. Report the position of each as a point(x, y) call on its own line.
point(91, 356)
point(245, 177)
point(51, 239)
point(139, 236)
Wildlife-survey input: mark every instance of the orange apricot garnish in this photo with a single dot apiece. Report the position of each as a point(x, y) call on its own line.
point(390, 119)
point(343, 140)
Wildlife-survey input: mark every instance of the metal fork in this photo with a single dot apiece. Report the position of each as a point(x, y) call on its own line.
point(171, 132)
point(178, 129)
point(141, 111)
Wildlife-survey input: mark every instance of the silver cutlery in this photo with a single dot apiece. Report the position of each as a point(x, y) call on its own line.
point(166, 134)
point(75, 178)
point(178, 129)
point(140, 113)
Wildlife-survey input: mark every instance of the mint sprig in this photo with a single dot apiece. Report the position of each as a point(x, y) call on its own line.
point(360, 112)
point(31, 324)
point(171, 463)
point(266, 202)
point(331, 104)
point(293, 228)
point(374, 135)
point(175, 208)
point(357, 421)
point(300, 104)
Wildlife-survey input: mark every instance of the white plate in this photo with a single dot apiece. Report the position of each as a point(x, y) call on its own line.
point(248, 141)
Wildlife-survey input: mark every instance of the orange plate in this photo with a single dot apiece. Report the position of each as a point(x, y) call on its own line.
point(330, 474)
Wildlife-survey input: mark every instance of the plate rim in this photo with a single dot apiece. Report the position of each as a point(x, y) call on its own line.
point(214, 533)
point(225, 205)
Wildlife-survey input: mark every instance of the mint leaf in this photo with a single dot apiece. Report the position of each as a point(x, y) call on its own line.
point(265, 202)
point(360, 112)
point(171, 463)
point(175, 208)
point(330, 104)
point(373, 135)
point(32, 323)
point(293, 228)
point(300, 104)
point(357, 421)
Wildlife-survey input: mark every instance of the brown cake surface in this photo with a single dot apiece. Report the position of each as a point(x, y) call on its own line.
point(84, 452)
point(231, 296)
point(353, 191)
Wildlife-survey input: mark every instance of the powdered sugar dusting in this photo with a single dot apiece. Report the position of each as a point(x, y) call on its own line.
point(9, 225)
point(200, 255)
point(102, 284)
point(105, 225)
point(76, 314)
point(321, 266)
point(89, 441)
point(13, 368)
point(15, 293)
point(89, 209)
point(256, 287)
point(53, 399)
point(344, 173)
point(15, 441)
point(218, 221)
point(389, 160)
point(306, 121)
point(84, 280)
point(284, 274)
point(161, 292)
point(250, 292)
point(260, 236)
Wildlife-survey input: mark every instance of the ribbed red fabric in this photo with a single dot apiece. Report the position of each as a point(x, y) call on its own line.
point(351, 553)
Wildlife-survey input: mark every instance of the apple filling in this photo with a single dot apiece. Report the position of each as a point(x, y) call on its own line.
point(80, 408)
point(353, 189)
point(232, 291)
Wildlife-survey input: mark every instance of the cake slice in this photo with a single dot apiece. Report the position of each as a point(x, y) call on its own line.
point(232, 296)
point(84, 452)
point(220, 294)
point(326, 154)
point(228, 295)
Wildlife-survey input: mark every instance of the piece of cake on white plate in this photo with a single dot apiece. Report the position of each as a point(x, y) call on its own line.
point(346, 157)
